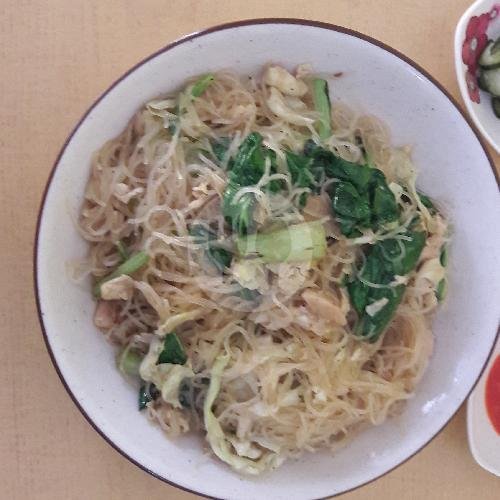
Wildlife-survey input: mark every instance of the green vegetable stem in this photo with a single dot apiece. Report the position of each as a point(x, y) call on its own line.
point(130, 266)
point(321, 97)
point(129, 361)
point(202, 84)
point(122, 250)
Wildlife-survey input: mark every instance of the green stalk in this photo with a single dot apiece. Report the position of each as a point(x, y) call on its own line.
point(322, 104)
point(441, 290)
point(131, 265)
point(202, 84)
point(122, 250)
point(129, 362)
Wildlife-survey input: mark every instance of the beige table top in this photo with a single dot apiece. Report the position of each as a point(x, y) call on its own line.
point(56, 56)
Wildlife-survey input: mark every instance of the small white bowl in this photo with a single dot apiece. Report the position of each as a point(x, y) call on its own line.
point(480, 112)
point(454, 169)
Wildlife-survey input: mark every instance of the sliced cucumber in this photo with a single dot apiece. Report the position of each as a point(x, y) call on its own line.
point(495, 104)
point(491, 81)
point(496, 47)
point(480, 81)
point(490, 57)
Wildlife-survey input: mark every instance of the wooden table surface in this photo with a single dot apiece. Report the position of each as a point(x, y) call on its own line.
point(56, 57)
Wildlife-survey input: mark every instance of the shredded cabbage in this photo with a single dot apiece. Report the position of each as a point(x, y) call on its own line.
point(218, 440)
point(166, 376)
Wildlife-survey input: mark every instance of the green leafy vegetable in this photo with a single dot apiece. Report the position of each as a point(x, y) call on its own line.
point(249, 162)
point(202, 84)
point(412, 250)
point(220, 147)
point(362, 199)
point(147, 392)
point(427, 202)
point(336, 167)
point(300, 242)
point(220, 258)
point(299, 167)
point(247, 168)
point(384, 206)
point(274, 185)
point(238, 212)
point(349, 203)
point(370, 206)
point(321, 97)
point(443, 258)
point(441, 290)
point(374, 295)
point(130, 266)
point(367, 157)
point(172, 352)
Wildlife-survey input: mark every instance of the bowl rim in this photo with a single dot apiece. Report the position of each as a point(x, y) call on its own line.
point(460, 71)
point(166, 48)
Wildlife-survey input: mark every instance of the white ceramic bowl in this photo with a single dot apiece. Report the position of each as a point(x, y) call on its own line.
point(454, 168)
point(480, 112)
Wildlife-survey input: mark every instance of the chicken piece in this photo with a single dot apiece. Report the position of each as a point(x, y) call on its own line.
point(120, 288)
point(316, 207)
point(432, 271)
point(429, 275)
point(280, 108)
point(251, 274)
point(325, 305)
point(295, 103)
point(290, 276)
point(105, 314)
point(435, 242)
point(276, 76)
